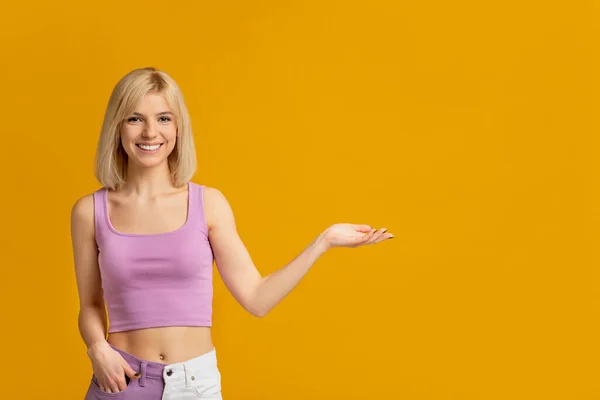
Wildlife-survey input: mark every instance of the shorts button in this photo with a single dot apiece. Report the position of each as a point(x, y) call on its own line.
point(169, 372)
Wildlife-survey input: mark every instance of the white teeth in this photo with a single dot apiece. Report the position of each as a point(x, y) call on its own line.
point(149, 148)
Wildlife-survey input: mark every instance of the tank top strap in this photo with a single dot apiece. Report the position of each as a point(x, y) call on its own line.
point(196, 206)
point(100, 210)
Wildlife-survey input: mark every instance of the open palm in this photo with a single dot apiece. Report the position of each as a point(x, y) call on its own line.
point(353, 235)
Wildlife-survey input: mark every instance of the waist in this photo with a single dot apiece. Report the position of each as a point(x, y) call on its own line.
point(170, 344)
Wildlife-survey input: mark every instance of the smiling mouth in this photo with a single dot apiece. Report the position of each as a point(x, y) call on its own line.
point(149, 147)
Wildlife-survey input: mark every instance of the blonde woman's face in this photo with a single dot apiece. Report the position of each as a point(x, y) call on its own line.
point(148, 135)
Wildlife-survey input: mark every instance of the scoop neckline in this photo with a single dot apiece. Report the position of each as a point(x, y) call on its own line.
point(181, 228)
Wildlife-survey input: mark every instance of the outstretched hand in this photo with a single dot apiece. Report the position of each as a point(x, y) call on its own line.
point(353, 235)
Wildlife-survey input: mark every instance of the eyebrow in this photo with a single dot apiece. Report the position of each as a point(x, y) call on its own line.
point(160, 113)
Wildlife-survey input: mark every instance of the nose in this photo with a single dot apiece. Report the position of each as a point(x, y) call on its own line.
point(150, 130)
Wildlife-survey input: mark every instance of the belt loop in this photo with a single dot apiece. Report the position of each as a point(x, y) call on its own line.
point(187, 373)
point(143, 373)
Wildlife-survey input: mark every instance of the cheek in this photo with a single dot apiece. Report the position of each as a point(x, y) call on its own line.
point(171, 134)
point(128, 134)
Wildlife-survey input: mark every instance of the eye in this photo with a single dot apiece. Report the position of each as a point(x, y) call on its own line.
point(134, 119)
point(164, 119)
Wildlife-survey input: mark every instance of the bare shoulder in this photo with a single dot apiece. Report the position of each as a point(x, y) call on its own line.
point(216, 206)
point(212, 194)
point(82, 213)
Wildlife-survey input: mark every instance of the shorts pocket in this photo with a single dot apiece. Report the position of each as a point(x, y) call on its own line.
point(97, 389)
point(208, 385)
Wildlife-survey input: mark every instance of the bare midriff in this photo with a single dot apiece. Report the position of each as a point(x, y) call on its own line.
point(166, 345)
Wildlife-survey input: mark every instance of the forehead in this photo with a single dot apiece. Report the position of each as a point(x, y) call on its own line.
point(155, 102)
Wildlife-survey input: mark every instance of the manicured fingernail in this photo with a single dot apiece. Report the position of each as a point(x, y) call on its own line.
point(137, 374)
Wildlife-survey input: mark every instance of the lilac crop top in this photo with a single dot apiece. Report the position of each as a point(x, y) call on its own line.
point(152, 280)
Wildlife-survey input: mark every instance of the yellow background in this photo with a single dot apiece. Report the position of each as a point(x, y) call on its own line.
point(469, 129)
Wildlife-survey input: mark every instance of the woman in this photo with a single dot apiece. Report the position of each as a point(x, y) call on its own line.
point(144, 246)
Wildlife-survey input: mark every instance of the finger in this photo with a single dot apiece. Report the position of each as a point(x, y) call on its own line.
point(122, 382)
point(114, 387)
point(103, 386)
point(362, 228)
point(376, 235)
point(130, 372)
point(366, 237)
point(383, 238)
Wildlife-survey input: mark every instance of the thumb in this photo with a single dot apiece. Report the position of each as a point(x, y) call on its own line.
point(362, 228)
point(130, 372)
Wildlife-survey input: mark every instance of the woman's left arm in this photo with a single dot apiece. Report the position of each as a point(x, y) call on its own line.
point(258, 294)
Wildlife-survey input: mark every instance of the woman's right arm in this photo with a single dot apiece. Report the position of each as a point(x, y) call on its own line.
point(92, 313)
point(108, 365)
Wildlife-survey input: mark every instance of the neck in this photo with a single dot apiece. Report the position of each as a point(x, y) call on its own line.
point(148, 181)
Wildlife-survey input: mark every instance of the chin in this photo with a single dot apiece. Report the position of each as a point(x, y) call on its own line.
point(149, 163)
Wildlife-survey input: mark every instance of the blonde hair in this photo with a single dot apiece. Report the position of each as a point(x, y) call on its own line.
point(111, 159)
